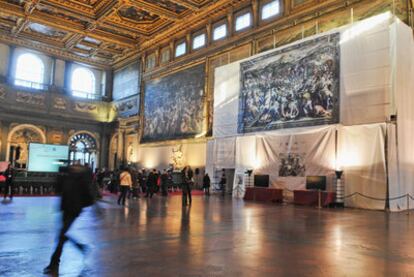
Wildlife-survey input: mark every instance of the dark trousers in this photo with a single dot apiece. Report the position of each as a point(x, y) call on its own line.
point(207, 190)
point(122, 196)
point(187, 194)
point(223, 189)
point(67, 222)
point(8, 187)
point(164, 190)
point(150, 191)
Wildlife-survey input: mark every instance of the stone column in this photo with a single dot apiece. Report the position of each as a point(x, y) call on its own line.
point(103, 157)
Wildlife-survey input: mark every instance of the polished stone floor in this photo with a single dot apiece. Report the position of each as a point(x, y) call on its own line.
point(215, 237)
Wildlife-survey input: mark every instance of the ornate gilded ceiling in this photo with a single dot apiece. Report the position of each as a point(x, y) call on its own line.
point(100, 32)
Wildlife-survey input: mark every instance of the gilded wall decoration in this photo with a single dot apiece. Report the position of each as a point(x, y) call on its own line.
point(127, 108)
point(56, 137)
point(22, 138)
point(86, 108)
point(30, 98)
point(3, 93)
point(59, 103)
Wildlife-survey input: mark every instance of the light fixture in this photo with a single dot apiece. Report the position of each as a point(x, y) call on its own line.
point(340, 189)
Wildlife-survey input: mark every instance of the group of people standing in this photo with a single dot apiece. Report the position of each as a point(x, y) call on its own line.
point(130, 183)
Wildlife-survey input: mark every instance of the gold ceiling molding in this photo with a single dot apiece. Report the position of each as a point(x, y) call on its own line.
point(108, 33)
point(118, 26)
point(53, 51)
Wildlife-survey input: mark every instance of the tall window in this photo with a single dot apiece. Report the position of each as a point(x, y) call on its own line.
point(180, 49)
point(30, 71)
point(220, 31)
point(83, 83)
point(243, 21)
point(271, 9)
point(199, 41)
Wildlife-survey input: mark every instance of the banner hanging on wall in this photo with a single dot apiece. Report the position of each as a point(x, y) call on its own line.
point(294, 87)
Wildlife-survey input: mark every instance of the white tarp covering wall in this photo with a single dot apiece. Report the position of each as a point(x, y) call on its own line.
point(361, 155)
point(365, 77)
point(401, 169)
point(376, 80)
point(311, 153)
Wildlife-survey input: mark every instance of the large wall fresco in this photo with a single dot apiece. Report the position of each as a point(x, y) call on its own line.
point(293, 87)
point(126, 81)
point(174, 105)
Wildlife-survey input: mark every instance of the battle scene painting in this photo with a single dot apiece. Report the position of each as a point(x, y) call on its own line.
point(174, 105)
point(294, 87)
point(292, 165)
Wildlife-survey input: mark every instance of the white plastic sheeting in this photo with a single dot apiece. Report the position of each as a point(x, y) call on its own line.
point(401, 162)
point(224, 153)
point(361, 155)
point(365, 71)
point(377, 59)
point(316, 148)
point(365, 77)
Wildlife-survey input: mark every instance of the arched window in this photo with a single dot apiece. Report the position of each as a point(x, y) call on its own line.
point(30, 71)
point(83, 83)
point(83, 148)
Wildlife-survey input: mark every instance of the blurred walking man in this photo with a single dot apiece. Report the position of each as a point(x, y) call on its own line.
point(75, 186)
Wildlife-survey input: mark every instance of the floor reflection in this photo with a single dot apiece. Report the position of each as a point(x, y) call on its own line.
point(213, 237)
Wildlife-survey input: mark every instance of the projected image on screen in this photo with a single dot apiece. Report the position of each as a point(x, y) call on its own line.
point(46, 157)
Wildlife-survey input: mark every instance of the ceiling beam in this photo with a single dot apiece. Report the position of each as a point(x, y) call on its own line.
point(52, 50)
point(73, 41)
point(21, 24)
point(30, 6)
point(107, 10)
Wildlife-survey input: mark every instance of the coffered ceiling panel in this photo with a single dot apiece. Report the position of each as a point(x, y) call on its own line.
point(99, 32)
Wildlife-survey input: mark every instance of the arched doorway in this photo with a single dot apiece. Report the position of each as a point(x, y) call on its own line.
point(83, 147)
point(18, 143)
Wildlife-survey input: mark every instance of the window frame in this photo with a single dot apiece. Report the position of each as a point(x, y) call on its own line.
point(240, 14)
point(163, 50)
point(179, 43)
point(217, 25)
point(33, 85)
point(197, 34)
point(273, 17)
point(94, 95)
point(150, 57)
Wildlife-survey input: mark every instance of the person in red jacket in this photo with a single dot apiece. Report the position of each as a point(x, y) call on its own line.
point(8, 184)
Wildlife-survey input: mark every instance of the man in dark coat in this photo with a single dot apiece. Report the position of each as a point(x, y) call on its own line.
point(206, 184)
point(164, 183)
point(151, 183)
point(75, 185)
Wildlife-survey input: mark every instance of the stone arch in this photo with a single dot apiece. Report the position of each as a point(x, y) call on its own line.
point(18, 141)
